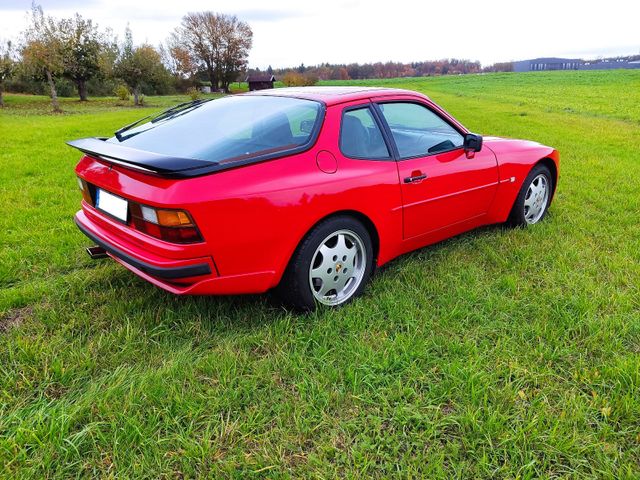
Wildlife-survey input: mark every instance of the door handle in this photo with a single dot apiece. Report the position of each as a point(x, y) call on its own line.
point(415, 178)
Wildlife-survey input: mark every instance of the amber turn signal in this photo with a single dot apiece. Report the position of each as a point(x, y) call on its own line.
point(173, 218)
point(174, 226)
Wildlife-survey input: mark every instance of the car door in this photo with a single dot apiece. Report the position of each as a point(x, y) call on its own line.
point(441, 185)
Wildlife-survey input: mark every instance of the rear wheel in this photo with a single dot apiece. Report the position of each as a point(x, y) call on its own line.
point(330, 267)
point(534, 198)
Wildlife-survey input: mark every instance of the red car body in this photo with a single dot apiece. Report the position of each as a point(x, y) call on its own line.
point(252, 218)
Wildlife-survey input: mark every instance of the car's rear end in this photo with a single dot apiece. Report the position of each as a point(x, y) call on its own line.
point(148, 192)
point(125, 213)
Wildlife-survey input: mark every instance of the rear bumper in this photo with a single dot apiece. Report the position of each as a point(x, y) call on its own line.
point(166, 273)
point(197, 276)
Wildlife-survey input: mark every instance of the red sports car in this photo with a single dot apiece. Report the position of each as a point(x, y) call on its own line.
point(301, 190)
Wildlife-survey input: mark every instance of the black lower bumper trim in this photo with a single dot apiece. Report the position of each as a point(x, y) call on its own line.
point(167, 273)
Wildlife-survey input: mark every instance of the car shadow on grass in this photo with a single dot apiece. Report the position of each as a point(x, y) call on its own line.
point(229, 314)
point(126, 293)
point(131, 295)
point(431, 252)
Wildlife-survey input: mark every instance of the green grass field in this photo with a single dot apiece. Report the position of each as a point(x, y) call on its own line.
point(496, 354)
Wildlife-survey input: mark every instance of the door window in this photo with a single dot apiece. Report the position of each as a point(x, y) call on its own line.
point(360, 136)
point(418, 131)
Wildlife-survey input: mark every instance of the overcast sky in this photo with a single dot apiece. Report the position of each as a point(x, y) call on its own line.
point(288, 32)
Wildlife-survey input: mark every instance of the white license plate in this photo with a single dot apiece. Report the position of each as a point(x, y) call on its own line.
point(111, 204)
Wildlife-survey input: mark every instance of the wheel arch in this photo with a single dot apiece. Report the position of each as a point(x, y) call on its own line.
point(362, 218)
point(551, 165)
point(553, 168)
point(357, 215)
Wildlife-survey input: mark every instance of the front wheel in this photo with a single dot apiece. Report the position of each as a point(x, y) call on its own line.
point(330, 267)
point(534, 198)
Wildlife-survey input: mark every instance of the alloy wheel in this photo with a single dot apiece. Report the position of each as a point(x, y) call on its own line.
point(337, 267)
point(536, 199)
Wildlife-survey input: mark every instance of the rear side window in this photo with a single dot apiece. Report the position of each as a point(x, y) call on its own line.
point(360, 136)
point(231, 129)
point(418, 131)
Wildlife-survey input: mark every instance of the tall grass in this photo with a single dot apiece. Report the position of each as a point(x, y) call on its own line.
point(496, 354)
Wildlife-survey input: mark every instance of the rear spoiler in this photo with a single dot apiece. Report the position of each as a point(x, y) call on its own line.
point(149, 162)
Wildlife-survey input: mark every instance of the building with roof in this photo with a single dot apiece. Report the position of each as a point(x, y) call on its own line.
point(260, 82)
point(551, 63)
point(554, 63)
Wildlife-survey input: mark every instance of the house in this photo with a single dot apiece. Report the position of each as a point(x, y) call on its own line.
point(260, 82)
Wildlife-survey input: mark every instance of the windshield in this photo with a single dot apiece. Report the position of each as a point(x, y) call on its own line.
point(229, 129)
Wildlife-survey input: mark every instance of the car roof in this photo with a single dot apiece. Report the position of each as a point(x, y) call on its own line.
point(335, 95)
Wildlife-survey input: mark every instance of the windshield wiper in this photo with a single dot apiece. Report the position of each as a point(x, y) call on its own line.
point(170, 112)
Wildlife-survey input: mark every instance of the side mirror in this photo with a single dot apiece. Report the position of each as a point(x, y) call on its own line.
point(472, 142)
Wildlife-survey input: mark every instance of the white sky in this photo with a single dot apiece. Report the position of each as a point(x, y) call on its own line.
point(288, 32)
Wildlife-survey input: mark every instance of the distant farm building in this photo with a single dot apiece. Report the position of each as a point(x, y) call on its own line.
point(260, 82)
point(540, 64)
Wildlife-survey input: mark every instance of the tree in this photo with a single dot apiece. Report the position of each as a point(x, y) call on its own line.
point(7, 66)
point(139, 65)
point(180, 61)
point(499, 67)
point(83, 47)
point(42, 51)
point(295, 79)
point(236, 41)
point(216, 43)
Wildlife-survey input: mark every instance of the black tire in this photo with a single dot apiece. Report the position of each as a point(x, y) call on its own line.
point(295, 288)
point(517, 217)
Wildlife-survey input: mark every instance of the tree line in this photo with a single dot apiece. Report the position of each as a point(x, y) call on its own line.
point(304, 75)
point(67, 56)
point(74, 55)
point(381, 70)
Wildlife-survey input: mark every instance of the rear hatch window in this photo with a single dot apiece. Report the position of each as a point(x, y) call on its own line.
point(229, 130)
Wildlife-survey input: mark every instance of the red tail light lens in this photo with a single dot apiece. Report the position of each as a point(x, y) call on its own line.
point(175, 226)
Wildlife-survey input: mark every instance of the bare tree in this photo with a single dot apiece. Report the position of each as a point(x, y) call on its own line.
point(42, 51)
point(7, 66)
point(216, 43)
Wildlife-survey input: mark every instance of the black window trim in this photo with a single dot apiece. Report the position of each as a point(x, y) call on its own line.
point(368, 105)
point(376, 106)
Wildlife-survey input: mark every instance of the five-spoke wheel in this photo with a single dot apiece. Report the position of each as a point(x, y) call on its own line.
point(535, 201)
point(330, 266)
point(337, 267)
point(534, 197)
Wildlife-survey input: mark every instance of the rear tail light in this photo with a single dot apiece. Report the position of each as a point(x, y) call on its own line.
point(86, 192)
point(175, 226)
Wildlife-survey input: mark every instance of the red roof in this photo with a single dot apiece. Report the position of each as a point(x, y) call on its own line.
point(334, 95)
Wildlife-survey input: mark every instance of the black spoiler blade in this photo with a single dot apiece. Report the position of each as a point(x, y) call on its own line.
point(163, 165)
